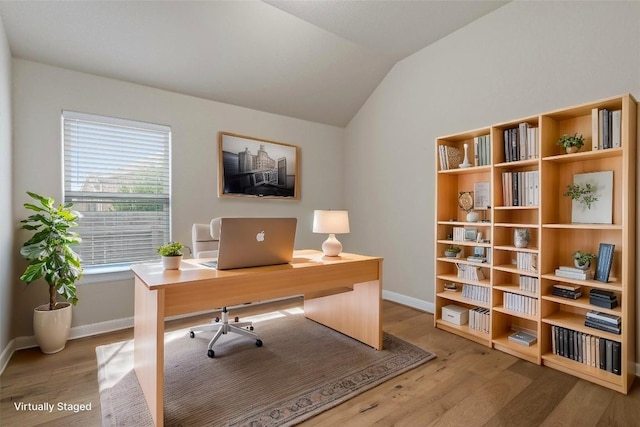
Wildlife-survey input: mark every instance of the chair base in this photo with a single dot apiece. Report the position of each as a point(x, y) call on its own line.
point(223, 328)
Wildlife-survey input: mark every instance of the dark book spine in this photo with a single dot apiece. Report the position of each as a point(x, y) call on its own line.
point(605, 260)
point(603, 353)
point(516, 195)
point(609, 359)
point(507, 146)
point(601, 327)
point(603, 303)
point(514, 144)
point(617, 358)
point(565, 342)
point(606, 134)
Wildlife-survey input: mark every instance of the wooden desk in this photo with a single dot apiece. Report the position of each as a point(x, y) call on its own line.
point(343, 293)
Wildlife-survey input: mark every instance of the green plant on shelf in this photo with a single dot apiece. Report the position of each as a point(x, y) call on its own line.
point(568, 141)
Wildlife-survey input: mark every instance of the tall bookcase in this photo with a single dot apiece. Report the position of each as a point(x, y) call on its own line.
point(536, 202)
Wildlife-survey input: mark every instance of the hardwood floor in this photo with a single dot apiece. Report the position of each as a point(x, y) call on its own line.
point(467, 385)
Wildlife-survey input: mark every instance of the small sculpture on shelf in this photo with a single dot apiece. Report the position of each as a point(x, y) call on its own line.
point(571, 144)
point(582, 260)
point(521, 237)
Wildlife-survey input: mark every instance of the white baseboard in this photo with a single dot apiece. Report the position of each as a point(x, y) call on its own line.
point(409, 301)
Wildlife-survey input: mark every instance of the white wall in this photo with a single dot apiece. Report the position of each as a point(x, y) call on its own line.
point(6, 224)
point(41, 92)
point(523, 59)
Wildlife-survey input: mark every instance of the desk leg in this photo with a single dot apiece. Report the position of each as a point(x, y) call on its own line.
point(357, 314)
point(148, 350)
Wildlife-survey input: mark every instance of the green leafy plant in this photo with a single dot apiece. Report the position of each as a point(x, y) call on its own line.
point(453, 249)
point(524, 233)
point(571, 141)
point(583, 257)
point(49, 250)
point(581, 193)
point(171, 249)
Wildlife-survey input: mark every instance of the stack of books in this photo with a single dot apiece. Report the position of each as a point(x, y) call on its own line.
point(603, 321)
point(567, 291)
point(523, 338)
point(479, 319)
point(602, 298)
point(574, 273)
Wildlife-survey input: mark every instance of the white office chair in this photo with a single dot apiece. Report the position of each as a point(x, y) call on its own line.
point(205, 239)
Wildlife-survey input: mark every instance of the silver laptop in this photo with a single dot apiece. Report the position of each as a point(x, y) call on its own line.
point(253, 242)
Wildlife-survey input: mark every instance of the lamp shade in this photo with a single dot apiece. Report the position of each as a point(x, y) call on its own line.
point(331, 222)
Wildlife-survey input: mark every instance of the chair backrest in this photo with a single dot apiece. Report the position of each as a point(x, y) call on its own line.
point(205, 238)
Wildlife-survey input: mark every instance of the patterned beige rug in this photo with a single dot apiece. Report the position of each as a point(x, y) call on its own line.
point(302, 369)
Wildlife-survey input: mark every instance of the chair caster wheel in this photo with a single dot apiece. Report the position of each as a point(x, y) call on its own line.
point(217, 319)
point(258, 343)
point(236, 319)
point(210, 353)
point(251, 328)
point(192, 334)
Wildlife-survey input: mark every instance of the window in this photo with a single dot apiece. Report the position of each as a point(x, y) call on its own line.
point(117, 175)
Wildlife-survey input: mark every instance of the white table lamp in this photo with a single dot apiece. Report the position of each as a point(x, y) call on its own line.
point(332, 223)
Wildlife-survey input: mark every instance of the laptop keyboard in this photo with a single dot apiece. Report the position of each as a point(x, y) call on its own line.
point(210, 264)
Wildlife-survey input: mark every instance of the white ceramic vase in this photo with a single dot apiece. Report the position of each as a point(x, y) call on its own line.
point(51, 327)
point(171, 262)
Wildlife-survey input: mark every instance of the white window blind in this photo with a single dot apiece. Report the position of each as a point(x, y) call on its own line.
point(117, 175)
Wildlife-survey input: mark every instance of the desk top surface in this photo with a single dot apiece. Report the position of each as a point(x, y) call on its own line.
point(155, 276)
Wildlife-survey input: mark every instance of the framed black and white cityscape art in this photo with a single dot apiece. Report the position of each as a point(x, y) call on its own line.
point(255, 167)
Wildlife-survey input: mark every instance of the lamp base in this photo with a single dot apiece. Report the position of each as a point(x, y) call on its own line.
point(331, 246)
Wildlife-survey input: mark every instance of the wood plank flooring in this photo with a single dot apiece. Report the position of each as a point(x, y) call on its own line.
point(467, 385)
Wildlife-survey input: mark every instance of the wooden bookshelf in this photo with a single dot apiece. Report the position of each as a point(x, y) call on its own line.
point(527, 183)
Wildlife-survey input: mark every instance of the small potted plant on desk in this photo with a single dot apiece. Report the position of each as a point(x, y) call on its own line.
point(571, 144)
point(582, 260)
point(51, 257)
point(452, 251)
point(171, 255)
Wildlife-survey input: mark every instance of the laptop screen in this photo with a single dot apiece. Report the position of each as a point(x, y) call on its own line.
point(253, 242)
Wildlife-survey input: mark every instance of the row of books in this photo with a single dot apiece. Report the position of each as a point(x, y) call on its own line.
point(520, 143)
point(469, 272)
point(605, 128)
point(603, 322)
point(527, 261)
point(474, 292)
point(479, 319)
point(529, 284)
point(459, 234)
point(520, 303)
point(482, 150)
point(521, 188)
point(588, 349)
point(450, 157)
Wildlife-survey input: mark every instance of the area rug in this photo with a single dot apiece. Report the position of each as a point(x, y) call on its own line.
point(302, 369)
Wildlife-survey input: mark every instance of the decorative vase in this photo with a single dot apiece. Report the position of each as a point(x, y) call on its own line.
point(51, 327)
point(572, 149)
point(449, 254)
point(465, 163)
point(521, 237)
point(473, 216)
point(584, 266)
point(171, 262)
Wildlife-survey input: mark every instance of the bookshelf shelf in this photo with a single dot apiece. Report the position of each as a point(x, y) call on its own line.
point(528, 175)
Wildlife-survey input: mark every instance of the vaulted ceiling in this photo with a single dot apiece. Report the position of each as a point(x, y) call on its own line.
point(314, 60)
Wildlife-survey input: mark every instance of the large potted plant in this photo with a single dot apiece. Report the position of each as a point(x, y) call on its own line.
point(51, 258)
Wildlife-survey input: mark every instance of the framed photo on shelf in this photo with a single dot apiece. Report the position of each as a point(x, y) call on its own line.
point(598, 186)
point(255, 167)
point(470, 234)
point(481, 196)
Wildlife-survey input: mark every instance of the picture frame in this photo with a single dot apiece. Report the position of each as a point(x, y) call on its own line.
point(470, 234)
point(257, 168)
point(481, 196)
point(601, 210)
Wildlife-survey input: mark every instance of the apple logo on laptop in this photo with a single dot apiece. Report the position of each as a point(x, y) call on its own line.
point(260, 236)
